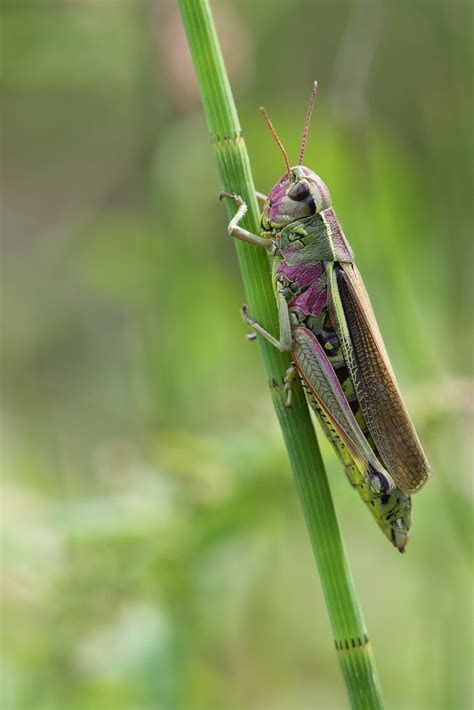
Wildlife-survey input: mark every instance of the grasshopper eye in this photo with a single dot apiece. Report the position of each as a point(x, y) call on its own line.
point(299, 190)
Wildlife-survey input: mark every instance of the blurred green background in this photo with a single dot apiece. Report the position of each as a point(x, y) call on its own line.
point(154, 552)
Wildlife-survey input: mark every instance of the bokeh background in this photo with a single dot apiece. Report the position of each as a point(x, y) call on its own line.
point(154, 552)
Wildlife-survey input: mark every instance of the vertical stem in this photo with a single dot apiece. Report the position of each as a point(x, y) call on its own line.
point(353, 648)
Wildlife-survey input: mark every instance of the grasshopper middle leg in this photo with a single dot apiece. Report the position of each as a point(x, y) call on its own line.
point(285, 343)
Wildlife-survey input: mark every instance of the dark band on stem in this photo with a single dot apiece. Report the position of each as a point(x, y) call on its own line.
point(348, 644)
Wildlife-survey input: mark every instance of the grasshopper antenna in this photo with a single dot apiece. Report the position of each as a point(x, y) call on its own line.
point(307, 122)
point(278, 141)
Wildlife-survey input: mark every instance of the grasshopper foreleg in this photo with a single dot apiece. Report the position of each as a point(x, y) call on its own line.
point(239, 232)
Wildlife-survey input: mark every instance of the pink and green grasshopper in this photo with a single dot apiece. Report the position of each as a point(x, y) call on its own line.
point(328, 325)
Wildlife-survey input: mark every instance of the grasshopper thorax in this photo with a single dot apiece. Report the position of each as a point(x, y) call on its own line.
point(298, 194)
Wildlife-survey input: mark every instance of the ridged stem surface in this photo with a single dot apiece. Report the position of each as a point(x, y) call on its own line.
point(353, 647)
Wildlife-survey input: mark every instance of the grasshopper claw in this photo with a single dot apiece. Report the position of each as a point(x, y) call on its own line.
point(244, 312)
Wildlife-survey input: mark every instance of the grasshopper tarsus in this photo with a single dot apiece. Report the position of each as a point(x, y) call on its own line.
point(232, 196)
point(287, 384)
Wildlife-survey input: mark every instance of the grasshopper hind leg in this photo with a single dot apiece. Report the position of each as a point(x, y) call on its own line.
point(390, 509)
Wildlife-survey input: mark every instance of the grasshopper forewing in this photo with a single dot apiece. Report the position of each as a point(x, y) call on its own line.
point(328, 325)
point(376, 387)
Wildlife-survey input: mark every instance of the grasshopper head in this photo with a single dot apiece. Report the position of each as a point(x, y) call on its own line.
point(300, 193)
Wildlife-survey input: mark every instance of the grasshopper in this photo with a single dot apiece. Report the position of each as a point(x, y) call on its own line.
point(327, 324)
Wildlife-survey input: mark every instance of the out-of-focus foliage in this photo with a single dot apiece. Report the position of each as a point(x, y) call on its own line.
point(154, 554)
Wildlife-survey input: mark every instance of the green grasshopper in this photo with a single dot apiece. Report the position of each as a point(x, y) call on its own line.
point(328, 325)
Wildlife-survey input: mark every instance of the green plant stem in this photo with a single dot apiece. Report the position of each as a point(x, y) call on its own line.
point(354, 651)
